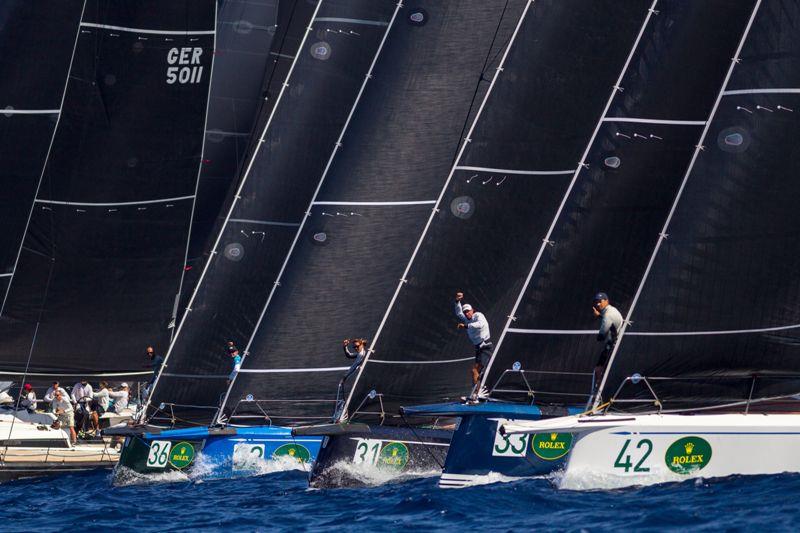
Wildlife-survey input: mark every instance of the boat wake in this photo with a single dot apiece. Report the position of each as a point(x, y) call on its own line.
point(578, 479)
point(346, 473)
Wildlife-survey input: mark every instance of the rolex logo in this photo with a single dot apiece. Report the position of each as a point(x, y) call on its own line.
point(553, 436)
point(689, 446)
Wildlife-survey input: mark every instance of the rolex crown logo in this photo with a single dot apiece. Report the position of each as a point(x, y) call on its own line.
point(292, 452)
point(553, 436)
point(394, 452)
point(689, 446)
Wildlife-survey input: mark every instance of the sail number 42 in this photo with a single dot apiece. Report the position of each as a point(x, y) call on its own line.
point(644, 447)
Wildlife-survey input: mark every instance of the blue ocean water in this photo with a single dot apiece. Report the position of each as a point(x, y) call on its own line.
point(282, 502)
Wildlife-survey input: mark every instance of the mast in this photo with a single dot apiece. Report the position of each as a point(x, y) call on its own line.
point(714, 324)
point(107, 230)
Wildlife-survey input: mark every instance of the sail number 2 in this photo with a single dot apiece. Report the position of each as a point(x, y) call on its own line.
point(643, 449)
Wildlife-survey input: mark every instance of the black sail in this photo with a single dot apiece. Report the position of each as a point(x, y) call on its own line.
point(717, 317)
point(504, 191)
point(290, 155)
point(373, 206)
point(105, 245)
point(611, 219)
point(30, 98)
point(251, 58)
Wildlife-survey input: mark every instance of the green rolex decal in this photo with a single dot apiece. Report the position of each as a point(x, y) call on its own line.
point(688, 455)
point(394, 455)
point(551, 446)
point(297, 451)
point(181, 455)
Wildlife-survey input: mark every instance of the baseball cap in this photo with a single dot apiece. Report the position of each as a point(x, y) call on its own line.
point(600, 296)
point(466, 307)
point(123, 384)
point(28, 386)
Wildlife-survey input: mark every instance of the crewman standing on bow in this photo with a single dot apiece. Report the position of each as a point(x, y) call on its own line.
point(478, 332)
point(610, 326)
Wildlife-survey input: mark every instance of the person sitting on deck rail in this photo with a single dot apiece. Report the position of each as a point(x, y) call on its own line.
point(120, 397)
point(51, 392)
point(66, 415)
point(478, 332)
point(610, 326)
point(28, 398)
point(359, 354)
point(101, 401)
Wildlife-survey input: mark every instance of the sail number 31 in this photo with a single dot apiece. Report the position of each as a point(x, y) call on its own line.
point(624, 460)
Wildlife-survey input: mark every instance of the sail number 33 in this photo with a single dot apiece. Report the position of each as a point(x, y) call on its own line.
point(642, 451)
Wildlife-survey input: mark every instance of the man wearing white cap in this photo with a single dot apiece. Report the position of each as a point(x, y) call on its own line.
point(478, 332)
point(120, 398)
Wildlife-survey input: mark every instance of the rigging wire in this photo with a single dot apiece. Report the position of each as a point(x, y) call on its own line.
point(424, 444)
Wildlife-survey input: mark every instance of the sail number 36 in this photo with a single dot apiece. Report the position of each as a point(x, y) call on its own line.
point(643, 449)
point(159, 453)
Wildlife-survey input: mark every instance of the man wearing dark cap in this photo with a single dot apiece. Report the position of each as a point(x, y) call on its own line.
point(610, 326)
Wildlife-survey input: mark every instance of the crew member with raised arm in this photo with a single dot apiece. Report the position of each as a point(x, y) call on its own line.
point(478, 332)
point(51, 392)
point(610, 326)
point(359, 353)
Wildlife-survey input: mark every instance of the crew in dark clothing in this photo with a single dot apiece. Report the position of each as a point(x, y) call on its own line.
point(359, 353)
point(610, 326)
point(156, 362)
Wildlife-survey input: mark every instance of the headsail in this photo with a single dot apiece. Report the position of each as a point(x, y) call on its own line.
point(290, 154)
point(374, 203)
point(504, 189)
point(715, 317)
point(108, 228)
point(611, 216)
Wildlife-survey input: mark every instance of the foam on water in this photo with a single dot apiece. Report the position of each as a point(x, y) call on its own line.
point(373, 475)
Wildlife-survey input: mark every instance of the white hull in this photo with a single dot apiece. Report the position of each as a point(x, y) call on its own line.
point(30, 449)
point(613, 451)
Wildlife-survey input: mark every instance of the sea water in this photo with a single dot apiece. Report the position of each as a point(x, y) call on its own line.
point(281, 501)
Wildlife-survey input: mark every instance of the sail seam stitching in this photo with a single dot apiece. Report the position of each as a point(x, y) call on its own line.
point(110, 204)
point(512, 171)
point(145, 31)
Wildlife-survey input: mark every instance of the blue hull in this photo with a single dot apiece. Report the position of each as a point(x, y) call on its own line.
point(215, 454)
point(478, 454)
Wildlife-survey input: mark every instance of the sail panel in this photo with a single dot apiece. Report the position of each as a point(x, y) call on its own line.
point(151, 15)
